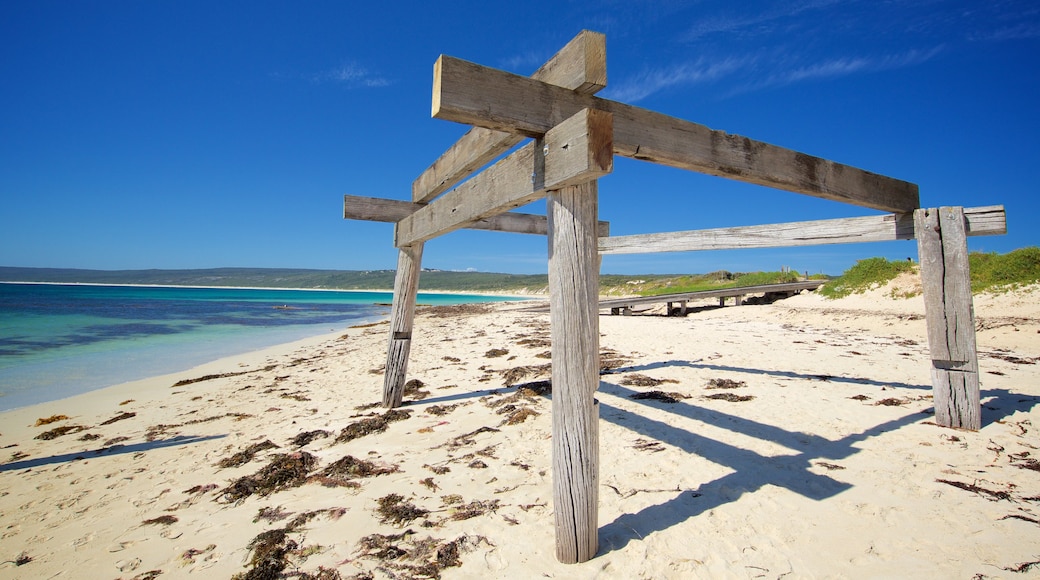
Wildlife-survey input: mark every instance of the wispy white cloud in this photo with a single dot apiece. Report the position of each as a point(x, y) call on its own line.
point(651, 81)
point(352, 74)
point(524, 63)
point(841, 67)
point(761, 21)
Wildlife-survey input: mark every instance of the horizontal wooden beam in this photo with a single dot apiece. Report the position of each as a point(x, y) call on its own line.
point(376, 209)
point(578, 150)
point(469, 93)
point(980, 221)
point(580, 66)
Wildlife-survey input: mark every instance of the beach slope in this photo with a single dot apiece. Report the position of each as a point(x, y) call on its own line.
point(786, 440)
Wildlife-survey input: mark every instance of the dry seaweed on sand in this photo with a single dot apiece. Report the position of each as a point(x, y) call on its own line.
point(638, 380)
point(892, 402)
point(283, 472)
point(647, 445)
point(725, 384)
point(119, 417)
point(454, 310)
point(271, 550)
point(662, 396)
point(413, 390)
point(417, 558)
point(161, 520)
point(987, 493)
point(352, 467)
point(394, 510)
point(370, 425)
point(307, 436)
point(474, 509)
point(514, 375)
point(439, 410)
point(730, 397)
point(1023, 567)
point(271, 514)
point(467, 438)
point(246, 455)
point(52, 419)
point(220, 376)
point(517, 416)
point(496, 352)
point(59, 431)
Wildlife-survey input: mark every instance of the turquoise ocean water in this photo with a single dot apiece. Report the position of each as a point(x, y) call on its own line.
point(61, 340)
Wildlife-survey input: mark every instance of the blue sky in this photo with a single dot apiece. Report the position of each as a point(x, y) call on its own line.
point(206, 134)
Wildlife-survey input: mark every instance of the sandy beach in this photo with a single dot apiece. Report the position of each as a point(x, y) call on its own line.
point(791, 440)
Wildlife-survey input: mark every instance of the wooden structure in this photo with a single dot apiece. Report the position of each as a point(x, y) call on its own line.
point(574, 136)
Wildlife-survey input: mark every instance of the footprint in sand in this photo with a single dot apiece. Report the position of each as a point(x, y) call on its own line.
point(128, 565)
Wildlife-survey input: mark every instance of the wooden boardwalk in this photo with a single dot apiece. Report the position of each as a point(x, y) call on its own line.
point(624, 305)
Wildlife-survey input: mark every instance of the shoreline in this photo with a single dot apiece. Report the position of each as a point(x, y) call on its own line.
point(816, 457)
point(354, 290)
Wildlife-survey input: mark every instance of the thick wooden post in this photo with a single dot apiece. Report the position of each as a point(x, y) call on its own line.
point(943, 251)
point(402, 315)
point(574, 310)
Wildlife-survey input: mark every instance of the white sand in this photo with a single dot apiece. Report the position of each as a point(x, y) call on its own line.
point(809, 478)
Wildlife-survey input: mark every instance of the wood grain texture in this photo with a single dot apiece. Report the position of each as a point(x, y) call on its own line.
point(574, 315)
point(981, 221)
point(580, 66)
point(376, 209)
point(469, 93)
point(525, 175)
point(946, 282)
point(402, 317)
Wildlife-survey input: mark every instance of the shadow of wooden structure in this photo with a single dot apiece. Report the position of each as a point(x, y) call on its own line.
point(574, 136)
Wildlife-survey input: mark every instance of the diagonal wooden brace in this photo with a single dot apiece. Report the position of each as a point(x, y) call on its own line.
point(576, 151)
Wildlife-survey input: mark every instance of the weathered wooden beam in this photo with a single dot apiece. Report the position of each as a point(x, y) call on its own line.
point(402, 317)
point(946, 284)
point(577, 150)
point(377, 209)
point(980, 221)
point(469, 93)
point(574, 321)
point(579, 66)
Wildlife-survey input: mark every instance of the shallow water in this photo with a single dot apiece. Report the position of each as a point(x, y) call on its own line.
point(61, 340)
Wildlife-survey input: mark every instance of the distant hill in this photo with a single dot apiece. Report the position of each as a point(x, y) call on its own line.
point(280, 278)
point(610, 284)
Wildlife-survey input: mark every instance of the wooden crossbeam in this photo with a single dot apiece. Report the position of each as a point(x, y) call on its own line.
point(579, 149)
point(980, 221)
point(580, 66)
point(375, 209)
point(469, 93)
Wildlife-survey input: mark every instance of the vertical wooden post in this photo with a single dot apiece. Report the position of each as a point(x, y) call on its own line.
point(573, 294)
point(943, 250)
point(402, 316)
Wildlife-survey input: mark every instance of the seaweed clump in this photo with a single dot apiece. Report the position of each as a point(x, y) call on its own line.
point(306, 437)
point(670, 398)
point(59, 431)
point(339, 474)
point(417, 558)
point(394, 510)
point(731, 397)
point(370, 425)
point(725, 384)
point(119, 417)
point(52, 419)
point(638, 380)
point(283, 472)
point(246, 455)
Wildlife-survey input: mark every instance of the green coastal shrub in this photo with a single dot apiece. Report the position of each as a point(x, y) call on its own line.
point(865, 274)
point(992, 272)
